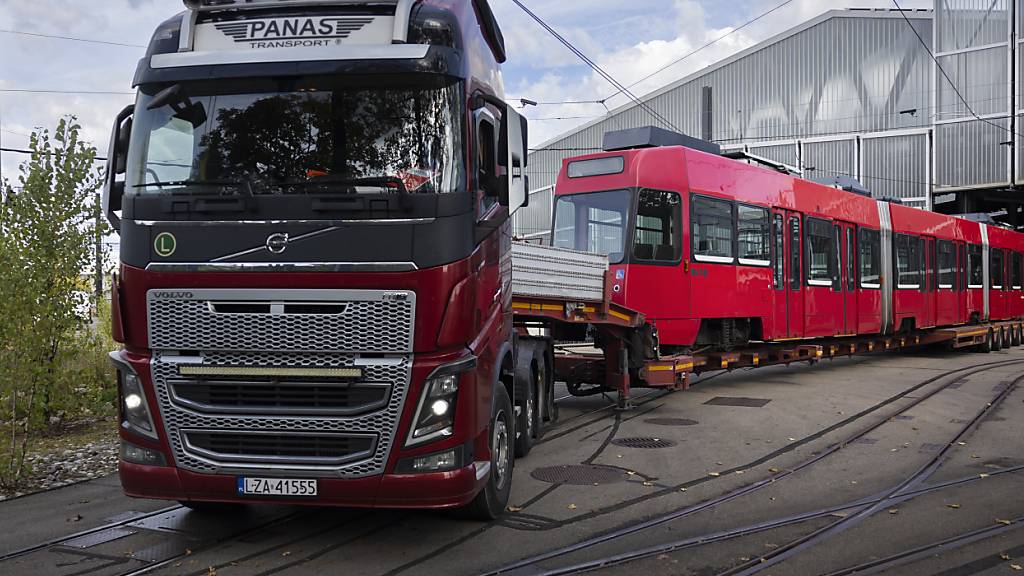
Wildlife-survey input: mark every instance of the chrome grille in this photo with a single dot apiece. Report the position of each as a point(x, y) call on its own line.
point(279, 447)
point(282, 320)
point(383, 422)
point(297, 398)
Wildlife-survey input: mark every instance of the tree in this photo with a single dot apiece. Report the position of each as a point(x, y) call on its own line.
point(47, 231)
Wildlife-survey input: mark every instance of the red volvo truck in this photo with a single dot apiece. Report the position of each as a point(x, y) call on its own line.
point(313, 199)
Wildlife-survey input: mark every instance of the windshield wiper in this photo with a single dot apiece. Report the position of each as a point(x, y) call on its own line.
point(245, 186)
point(386, 182)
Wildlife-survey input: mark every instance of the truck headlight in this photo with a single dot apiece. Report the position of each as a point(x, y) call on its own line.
point(135, 415)
point(435, 414)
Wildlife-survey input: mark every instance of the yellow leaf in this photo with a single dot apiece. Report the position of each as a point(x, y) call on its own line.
point(961, 443)
point(514, 509)
point(631, 473)
point(682, 489)
point(716, 474)
point(286, 553)
point(572, 506)
point(975, 456)
point(1003, 522)
point(894, 511)
point(740, 471)
point(773, 470)
point(1017, 567)
point(983, 475)
point(1004, 557)
point(953, 506)
point(188, 552)
point(212, 571)
point(648, 483)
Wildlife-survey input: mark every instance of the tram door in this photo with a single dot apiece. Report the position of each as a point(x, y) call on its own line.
point(929, 284)
point(848, 278)
point(789, 296)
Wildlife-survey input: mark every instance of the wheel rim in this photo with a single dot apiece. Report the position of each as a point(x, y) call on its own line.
point(499, 450)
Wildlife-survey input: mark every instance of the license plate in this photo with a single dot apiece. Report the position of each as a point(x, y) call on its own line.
point(276, 487)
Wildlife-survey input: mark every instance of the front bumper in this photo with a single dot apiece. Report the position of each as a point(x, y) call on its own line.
point(419, 491)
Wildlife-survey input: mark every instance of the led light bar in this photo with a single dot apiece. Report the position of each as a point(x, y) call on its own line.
point(270, 372)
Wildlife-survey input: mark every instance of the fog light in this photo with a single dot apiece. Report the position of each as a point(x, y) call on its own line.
point(436, 462)
point(132, 401)
point(440, 408)
point(139, 455)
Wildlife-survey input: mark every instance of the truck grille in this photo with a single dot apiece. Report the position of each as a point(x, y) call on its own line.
point(299, 426)
point(274, 397)
point(281, 447)
point(282, 320)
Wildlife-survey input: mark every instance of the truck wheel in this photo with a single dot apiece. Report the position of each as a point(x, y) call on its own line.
point(490, 503)
point(1015, 338)
point(526, 425)
point(997, 340)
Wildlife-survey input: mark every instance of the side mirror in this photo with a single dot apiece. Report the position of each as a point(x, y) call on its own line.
point(513, 156)
point(117, 163)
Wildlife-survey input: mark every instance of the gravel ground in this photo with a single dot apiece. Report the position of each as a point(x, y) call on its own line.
point(82, 454)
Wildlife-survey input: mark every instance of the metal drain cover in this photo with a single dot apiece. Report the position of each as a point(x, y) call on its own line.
point(643, 442)
point(580, 475)
point(671, 422)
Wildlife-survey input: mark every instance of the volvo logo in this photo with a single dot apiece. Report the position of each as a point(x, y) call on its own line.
point(173, 295)
point(277, 243)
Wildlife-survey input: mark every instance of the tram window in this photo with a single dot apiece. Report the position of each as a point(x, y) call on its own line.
point(998, 267)
point(657, 227)
point(947, 265)
point(975, 267)
point(1016, 272)
point(795, 269)
point(908, 262)
point(753, 234)
point(821, 252)
point(851, 261)
point(779, 264)
point(870, 259)
point(712, 230)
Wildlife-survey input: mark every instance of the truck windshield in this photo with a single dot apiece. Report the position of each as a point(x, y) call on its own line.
point(287, 136)
point(593, 222)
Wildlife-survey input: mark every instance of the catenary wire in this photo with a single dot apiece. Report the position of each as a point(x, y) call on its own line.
point(71, 38)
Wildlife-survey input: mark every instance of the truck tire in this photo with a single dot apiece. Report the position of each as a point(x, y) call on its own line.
point(1016, 336)
point(526, 424)
point(986, 346)
point(997, 340)
point(490, 503)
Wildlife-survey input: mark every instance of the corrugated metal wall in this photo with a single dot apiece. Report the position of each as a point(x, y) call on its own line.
point(846, 72)
point(973, 48)
point(897, 167)
point(830, 158)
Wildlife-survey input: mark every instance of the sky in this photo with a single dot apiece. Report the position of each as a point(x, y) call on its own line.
point(628, 39)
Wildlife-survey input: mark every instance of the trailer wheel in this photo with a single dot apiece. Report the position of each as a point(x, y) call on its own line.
point(527, 425)
point(986, 346)
point(490, 503)
point(997, 340)
point(1015, 340)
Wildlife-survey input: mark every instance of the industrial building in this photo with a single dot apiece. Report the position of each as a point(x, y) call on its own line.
point(852, 92)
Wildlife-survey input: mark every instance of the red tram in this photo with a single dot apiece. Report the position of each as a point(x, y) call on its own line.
point(718, 253)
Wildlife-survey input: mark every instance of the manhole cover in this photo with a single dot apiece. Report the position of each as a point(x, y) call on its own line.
point(579, 475)
point(671, 422)
point(643, 442)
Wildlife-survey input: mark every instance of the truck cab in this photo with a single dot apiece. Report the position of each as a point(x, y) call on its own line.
point(313, 199)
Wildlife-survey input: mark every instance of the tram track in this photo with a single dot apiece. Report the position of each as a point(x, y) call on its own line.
point(632, 528)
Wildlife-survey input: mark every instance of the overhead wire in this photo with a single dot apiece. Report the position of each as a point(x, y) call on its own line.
point(593, 65)
point(71, 38)
point(76, 92)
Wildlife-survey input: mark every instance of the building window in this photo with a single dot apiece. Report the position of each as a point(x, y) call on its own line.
point(1016, 272)
point(779, 268)
point(754, 235)
point(908, 262)
point(975, 267)
point(712, 230)
point(821, 253)
point(870, 259)
point(657, 227)
point(998, 266)
point(947, 265)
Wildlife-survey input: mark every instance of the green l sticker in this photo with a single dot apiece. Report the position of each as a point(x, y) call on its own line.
point(165, 244)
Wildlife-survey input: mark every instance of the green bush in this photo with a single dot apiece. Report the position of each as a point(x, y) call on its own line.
point(53, 363)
